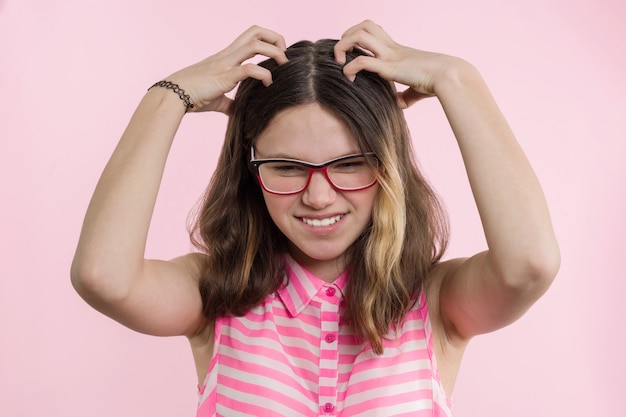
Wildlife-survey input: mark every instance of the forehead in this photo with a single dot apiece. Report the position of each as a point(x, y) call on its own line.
point(307, 132)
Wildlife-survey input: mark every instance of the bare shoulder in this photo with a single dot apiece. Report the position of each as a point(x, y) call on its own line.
point(193, 264)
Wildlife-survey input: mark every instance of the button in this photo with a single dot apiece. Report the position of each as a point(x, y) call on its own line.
point(330, 291)
point(328, 408)
point(330, 338)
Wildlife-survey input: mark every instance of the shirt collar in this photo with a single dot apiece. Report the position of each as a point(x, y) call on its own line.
point(301, 286)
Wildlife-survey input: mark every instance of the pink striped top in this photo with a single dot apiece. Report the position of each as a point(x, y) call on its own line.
point(293, 356)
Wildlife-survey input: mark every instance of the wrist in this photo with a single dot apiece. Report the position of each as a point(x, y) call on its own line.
point(164, 100)
point(175, 88)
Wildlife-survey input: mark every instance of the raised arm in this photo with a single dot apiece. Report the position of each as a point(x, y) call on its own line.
point(493, 288)
point(109, 269)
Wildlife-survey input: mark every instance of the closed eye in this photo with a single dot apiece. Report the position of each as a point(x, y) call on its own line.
point(349, 165)
point(287, 169)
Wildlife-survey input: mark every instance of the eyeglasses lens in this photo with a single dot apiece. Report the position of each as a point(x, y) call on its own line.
point(349, 174)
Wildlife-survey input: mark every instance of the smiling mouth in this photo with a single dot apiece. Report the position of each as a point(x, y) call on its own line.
point(322, 222)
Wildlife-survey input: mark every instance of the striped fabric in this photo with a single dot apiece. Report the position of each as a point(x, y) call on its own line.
point(293, 356)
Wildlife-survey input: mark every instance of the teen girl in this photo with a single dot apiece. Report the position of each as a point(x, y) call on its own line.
point(319, 288)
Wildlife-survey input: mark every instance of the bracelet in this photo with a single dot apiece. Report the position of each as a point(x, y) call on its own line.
point(181, 93)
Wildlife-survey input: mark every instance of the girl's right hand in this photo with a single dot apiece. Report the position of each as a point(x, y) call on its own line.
point(209, 80)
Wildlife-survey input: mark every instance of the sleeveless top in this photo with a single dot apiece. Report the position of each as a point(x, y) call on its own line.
point(293, 356)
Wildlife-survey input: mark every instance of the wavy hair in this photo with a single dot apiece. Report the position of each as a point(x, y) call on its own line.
point(392, 259)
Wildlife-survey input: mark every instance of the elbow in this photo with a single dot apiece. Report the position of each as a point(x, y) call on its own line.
point(542, 267)
point(83, 280)
point(95, 285)
point(532, 272)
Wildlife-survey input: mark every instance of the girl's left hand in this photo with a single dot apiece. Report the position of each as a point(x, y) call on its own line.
point(419, 70)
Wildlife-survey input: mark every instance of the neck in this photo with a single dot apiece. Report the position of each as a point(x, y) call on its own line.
point(326, 270)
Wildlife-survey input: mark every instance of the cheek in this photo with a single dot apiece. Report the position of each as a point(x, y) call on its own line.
point(277, 206)
point(368, 200)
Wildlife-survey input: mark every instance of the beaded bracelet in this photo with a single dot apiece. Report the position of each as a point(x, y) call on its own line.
point(181, 93)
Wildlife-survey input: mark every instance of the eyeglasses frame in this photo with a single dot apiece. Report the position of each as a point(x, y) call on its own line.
point(323, 167)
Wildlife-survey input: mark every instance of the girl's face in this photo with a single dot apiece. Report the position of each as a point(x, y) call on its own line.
point(321, 222)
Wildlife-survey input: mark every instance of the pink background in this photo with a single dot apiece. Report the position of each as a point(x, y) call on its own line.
point(72, 71)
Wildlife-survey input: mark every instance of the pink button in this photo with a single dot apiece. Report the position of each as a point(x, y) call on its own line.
point(328, 408)
point(330, 291)
point(330, 338)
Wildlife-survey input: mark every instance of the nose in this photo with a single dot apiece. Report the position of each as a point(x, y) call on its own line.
point(319, 193)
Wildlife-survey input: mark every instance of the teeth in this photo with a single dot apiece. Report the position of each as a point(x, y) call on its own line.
point(321, 222)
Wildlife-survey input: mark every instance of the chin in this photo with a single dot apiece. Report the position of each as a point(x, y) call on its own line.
point(316, 255)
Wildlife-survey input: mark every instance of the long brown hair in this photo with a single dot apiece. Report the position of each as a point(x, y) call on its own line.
point(390, 261)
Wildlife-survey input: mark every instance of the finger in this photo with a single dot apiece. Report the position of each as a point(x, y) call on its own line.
point(347, 44)
point(366, 26)
point(258, 32)
point(273, 46)
point(259, 41)
point(273, 38)
point(363, 40)
point(344, 44)
point(364, 34)
point(367, 63)
point(409, 97)
point(253, 71)
point(340, 54)
point(259, 47)
point(224, 105)
point(236, 56)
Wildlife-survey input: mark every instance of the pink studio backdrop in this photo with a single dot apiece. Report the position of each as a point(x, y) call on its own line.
point(72, 71)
